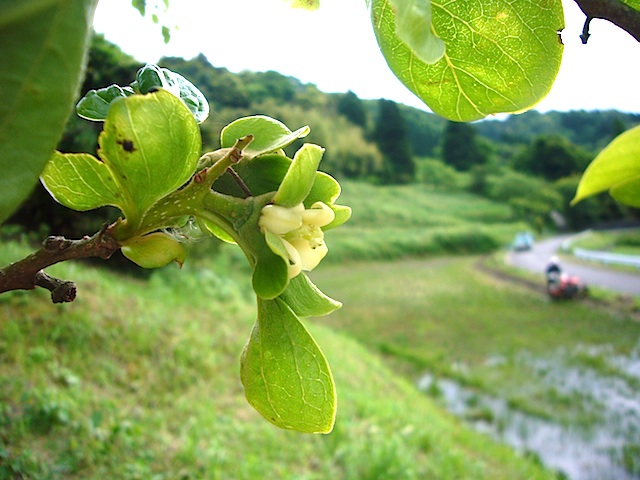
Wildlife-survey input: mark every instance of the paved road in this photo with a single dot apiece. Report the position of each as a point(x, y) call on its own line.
point(537, 258)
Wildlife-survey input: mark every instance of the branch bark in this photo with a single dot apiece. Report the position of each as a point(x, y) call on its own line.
point(614, 11)
point(28, 273)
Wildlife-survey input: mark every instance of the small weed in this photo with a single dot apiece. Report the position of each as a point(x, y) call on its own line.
point(43, 411)
point(631, 458)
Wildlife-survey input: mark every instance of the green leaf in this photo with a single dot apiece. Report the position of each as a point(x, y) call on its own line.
point(300, 176)
point(42, 52)
point(271, 269)
point(81, 182)
point(617, 169)
point(325, 189)
point(140, 5)
point(500, 56)
point(96, 103)
point(154, 250)
point(285, 374)
point(151, 77)
point(306, 300)
point(305, 4)
point(166, 37)
point(413, 27)
point(269, 134)
point(151, 144)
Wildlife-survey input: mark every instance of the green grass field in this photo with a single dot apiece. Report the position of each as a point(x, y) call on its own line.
point(139, 380)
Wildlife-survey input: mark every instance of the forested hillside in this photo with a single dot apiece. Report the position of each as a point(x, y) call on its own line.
point(530, 161)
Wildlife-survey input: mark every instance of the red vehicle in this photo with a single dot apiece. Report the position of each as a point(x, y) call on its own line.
point(561, 285)
point(565, 286)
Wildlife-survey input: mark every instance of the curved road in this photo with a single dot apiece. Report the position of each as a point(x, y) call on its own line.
point(537, 258)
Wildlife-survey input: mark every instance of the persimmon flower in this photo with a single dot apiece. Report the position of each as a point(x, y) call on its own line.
point(299, 231)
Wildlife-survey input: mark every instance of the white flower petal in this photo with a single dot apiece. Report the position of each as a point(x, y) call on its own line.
point(295, 261)
point(318, 215)
point(279, 220)
point(310, 256)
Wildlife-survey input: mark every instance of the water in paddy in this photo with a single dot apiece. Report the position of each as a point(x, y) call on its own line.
point(601, 442)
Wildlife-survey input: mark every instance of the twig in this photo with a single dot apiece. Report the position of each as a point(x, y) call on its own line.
point(27, 274)
point(585, 31)
point(243, 186)
point(62, 291)
point(615, 11)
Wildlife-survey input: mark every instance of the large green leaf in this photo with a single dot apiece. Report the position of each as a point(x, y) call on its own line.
point(501, 56)
point(152, 145)
point(285, 375)
point(42, 53)
point(617, 169)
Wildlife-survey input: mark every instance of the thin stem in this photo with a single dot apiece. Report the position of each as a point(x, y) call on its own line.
point(243, 186)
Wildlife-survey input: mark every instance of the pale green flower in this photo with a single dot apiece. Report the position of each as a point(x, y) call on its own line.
point(299, 231)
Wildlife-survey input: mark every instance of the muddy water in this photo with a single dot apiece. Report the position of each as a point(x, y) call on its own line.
point(593, 450)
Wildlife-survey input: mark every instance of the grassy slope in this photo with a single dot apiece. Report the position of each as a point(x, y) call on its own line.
point(139, 380)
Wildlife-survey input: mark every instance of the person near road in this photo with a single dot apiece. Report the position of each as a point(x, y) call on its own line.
point(553, 271)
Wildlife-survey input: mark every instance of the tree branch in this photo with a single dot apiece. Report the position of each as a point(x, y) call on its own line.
point(614, 11)
point(27, 274)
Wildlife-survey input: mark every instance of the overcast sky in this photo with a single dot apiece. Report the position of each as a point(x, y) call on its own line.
point(335, 48)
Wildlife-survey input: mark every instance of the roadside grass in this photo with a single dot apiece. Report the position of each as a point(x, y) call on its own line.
point(619, 241)
point(446, 318)
point(138, 379)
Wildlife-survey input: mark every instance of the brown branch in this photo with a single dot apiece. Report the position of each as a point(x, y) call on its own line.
point(27, 274)
point(615, 11)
